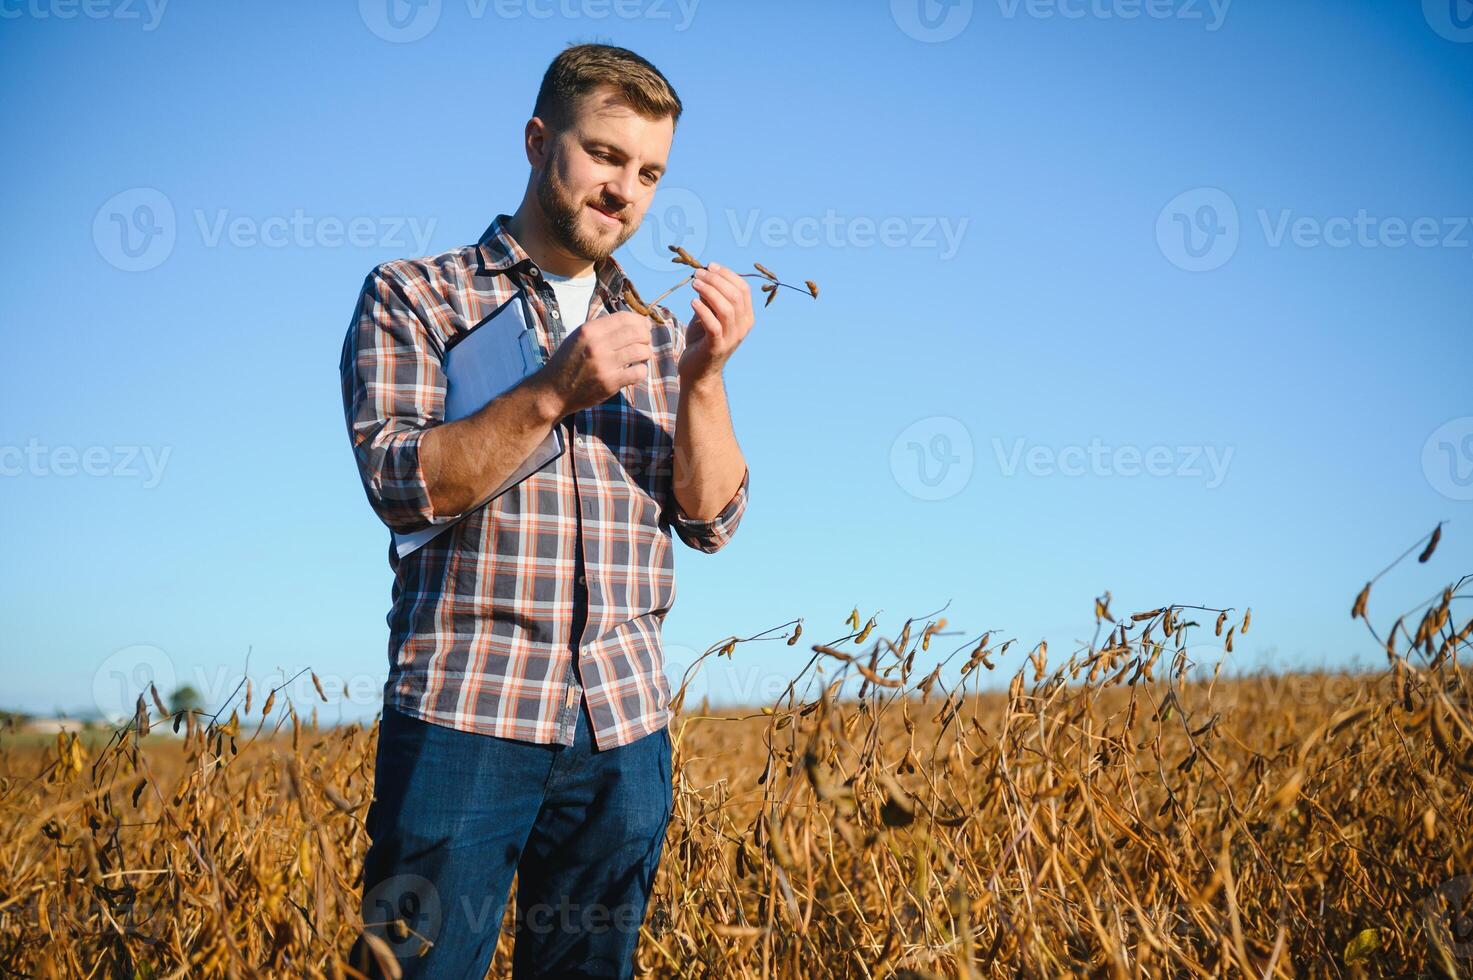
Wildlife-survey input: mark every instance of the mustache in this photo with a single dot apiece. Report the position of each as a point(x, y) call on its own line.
point(617, 211)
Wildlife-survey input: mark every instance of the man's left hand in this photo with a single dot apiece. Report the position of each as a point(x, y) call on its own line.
point(722, 315)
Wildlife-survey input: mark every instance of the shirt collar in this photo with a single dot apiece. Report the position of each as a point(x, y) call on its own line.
point(501, 254)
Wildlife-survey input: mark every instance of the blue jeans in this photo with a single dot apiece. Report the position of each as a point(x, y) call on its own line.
point(455, 814)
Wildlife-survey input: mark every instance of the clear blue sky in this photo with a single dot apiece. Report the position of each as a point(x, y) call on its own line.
point(1049, 236)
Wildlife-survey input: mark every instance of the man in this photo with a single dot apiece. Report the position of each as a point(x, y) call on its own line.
point(525, 718)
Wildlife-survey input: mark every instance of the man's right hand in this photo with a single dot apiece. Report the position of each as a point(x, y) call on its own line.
point(465, 461)
point(597, 359)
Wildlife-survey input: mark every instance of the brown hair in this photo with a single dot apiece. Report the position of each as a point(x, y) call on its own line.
point(579, 69)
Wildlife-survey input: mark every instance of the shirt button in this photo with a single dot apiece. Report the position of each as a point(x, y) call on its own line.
point(582, 579)
point(555, 315)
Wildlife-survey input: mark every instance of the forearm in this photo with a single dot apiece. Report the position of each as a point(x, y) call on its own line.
point(708, 465)
point(466, 460)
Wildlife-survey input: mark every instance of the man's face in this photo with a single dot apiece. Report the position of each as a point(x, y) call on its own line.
point(599, 175)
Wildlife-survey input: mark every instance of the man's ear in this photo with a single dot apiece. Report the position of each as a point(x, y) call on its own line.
point(534, 139)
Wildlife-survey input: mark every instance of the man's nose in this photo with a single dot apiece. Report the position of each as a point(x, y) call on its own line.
point(624, 188)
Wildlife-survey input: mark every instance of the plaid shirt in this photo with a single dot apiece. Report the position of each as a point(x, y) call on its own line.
point(480, 629)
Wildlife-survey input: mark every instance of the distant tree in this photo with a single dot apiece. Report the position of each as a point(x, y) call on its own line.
point(186, 698)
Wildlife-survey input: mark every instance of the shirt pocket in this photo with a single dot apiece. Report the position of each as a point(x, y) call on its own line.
point(648, 466)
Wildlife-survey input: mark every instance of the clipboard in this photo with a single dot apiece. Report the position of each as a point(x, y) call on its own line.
point(480, 364)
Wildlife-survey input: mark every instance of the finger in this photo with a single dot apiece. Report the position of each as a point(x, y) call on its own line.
point(709, 321)
point(634, 374)
point(635, 353)
point(731, 276)
point(746, 317)
point(615, 321)
point(743, 291)
point(717, 300)
point(728, 283)
point(638, 331)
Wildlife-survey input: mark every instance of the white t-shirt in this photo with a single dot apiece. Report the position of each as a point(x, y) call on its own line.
point(573, 297)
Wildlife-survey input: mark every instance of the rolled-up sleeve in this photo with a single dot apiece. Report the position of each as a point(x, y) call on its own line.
point(393, 393)
point(711, 535)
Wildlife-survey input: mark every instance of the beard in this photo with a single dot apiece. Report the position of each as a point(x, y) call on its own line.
point(566, 220)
